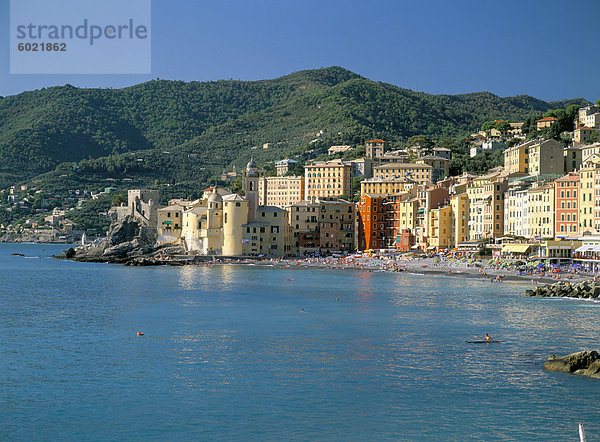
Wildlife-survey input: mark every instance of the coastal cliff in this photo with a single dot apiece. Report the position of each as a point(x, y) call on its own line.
point(128, 238)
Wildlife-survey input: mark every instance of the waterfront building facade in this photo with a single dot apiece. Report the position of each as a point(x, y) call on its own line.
point(326, 179)
point(566, 205)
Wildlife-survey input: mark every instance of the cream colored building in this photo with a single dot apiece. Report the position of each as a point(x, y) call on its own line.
point(333, 150)
point(421, 173)
point(540, 211)
point(589, 150)
point(460, 218)
point(280, 191)
point(589, 116)
point(386, 186)
point(587, 199)
point(486, 206)
point(328, 179)
point(407, 208)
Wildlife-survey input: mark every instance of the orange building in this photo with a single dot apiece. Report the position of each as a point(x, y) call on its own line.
point(372, 222)
point(565, 209)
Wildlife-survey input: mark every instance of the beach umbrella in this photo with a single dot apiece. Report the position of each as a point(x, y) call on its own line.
point(540, 266)
point(556, 271)
point(575, 266)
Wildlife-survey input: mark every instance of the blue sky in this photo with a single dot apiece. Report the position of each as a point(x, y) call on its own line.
point(547, 49)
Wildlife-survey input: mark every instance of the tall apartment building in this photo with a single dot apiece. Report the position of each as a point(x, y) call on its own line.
point(372, 218)
point(540, 211)
point(565, 207)
point(280, 191)
point(376, 148)
point(323, 226)
point(460, 217)
point(486, 206)
point(439, 228)
point(304, 224)
point(589, 176)
point(326, 179)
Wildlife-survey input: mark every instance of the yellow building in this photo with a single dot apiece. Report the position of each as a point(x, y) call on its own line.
point(386, 186)
point(540, 211)
point(516, 158)
point(268, 235)
point(328, 179)
point(546, 122)
point(460, 217)
point(439, 228)
point(407, 208)
point(421, 173)
point(280, 191)
point(169, 223)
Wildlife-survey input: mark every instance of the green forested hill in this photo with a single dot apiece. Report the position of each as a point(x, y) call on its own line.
point(207, 126)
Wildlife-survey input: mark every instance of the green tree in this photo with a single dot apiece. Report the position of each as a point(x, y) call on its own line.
point(420, 140)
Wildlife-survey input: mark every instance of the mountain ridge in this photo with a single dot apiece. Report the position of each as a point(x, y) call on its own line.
point(220, 121)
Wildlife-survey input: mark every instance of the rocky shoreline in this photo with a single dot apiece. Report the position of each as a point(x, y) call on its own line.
point(562, 289)
point(584, 363)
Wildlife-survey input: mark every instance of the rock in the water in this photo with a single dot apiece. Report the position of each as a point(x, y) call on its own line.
point(573, 363)
point(593, 370)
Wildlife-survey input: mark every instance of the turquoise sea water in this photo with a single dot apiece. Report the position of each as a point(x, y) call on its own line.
point(260, 353)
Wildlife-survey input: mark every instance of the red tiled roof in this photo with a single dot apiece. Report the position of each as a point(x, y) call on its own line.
point(548, 119)
point(377, 141)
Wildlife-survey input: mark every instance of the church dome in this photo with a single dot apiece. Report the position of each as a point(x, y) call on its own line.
point(251, 164)
point(215, 197)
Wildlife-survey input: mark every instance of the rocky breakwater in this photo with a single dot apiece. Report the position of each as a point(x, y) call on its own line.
point(128, 239)
point(585, 363)
point(586, 289)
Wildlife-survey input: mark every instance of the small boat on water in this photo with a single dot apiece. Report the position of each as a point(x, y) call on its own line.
point(483, 342)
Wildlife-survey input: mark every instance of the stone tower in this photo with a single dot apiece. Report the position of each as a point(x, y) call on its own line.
point(251, 176)
point(235, 215)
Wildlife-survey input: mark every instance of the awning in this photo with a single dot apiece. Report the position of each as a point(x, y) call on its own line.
point(588, 248)
point(515, 248)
